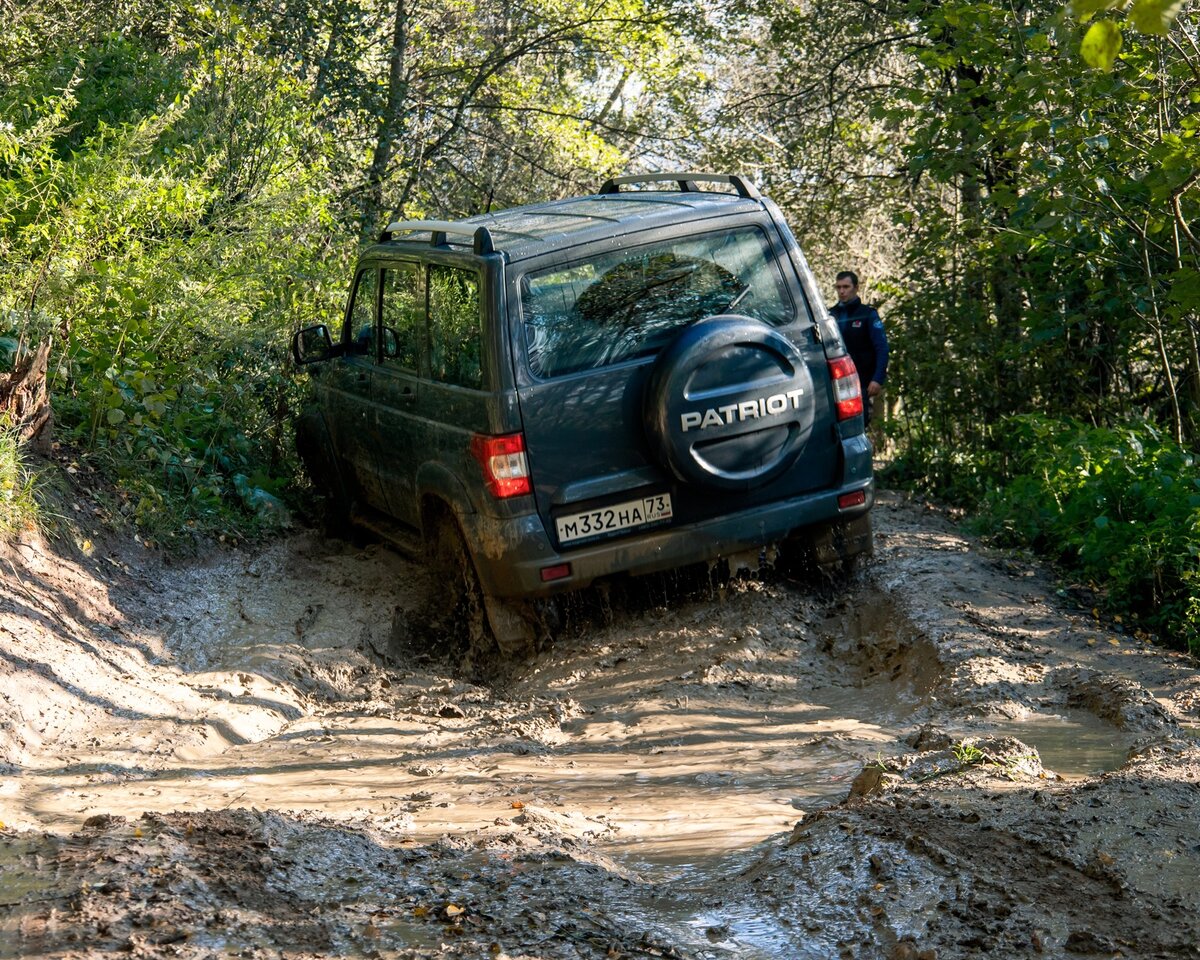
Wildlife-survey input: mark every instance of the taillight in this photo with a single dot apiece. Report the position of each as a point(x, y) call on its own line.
point(505, 468)
point(847, 391)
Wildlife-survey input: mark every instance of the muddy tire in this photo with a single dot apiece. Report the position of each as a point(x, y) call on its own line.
point(482, 624)
point(315, 450)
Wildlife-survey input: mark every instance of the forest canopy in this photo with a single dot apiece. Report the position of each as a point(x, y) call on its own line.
point(183, 184)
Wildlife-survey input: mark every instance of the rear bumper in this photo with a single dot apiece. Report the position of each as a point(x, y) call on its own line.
point(513, 553)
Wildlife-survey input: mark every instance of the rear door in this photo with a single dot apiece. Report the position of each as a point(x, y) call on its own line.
point(430, 389)
point(596, 330)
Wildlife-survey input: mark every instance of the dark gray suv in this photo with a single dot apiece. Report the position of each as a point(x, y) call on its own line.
point(613, 384)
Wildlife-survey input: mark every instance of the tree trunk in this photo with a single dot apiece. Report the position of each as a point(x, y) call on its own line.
point(25, 399)
point(391, 122)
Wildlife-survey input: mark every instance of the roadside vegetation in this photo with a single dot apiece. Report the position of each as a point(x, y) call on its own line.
point(183, 184)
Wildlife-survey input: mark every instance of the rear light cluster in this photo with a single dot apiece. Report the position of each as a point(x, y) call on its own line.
point(505, 466)
point(847, 391)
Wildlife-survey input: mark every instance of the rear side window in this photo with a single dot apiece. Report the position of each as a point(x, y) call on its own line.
point(630, 303)
point(455, 332)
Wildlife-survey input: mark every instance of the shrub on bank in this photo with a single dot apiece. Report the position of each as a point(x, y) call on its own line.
point(1118, 506)
point(165, 245)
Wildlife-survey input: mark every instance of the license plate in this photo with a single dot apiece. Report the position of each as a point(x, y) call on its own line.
point(615, 518)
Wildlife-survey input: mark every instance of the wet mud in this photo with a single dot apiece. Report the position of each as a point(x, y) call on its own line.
point(942, 758)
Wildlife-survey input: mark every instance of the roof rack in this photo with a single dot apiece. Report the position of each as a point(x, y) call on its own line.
point(438, 229)
point(687, 182)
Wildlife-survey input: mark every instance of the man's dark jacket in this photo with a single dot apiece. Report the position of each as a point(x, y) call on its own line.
point(862, 330)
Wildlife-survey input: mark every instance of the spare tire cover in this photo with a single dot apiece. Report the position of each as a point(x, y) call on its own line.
point(729, 403)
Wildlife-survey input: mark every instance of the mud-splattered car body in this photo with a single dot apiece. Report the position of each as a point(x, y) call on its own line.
point(621, 383)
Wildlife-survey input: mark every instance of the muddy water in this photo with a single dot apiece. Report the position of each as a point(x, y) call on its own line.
point(741, 770)
point(743, 726)
point(647, 765)
point(681, 711)
point(669, 744)
point(1073, 744)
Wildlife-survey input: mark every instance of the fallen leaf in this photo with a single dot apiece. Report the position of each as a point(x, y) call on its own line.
point(517, 805)
point(420, 911)
point(454, 910)
point(1105, 859)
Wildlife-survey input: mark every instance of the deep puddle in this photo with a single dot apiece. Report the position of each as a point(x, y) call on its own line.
point(1073, 744)
point(698, 735)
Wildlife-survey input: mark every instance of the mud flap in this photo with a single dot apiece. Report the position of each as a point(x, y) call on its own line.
point(515, 633)
point(843, 541)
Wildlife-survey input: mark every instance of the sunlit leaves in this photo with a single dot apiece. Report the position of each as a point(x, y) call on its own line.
point(1155, 16)
point(167, 239)
point(1101, 44)
point(1103, 39)
point(1084, 10)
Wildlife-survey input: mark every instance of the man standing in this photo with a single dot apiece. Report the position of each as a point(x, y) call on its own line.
point(862, 331)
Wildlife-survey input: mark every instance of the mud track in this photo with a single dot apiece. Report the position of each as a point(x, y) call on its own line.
point(233, 758)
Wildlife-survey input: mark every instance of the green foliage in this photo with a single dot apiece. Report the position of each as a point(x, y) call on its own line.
point(168, 244)
point(1048, 270)
point(1042, 258)
point(1103, 39)
point(179, 195)
point(1101, 44)
point(1119, 506)
point(18, 503)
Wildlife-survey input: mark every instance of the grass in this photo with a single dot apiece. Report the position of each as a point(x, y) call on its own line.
point(18, 486)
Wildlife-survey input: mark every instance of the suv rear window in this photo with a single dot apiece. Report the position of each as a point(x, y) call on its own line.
point(629, 303)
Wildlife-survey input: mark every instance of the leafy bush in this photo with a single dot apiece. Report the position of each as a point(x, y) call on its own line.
point(167, 244)
point(1121, 506)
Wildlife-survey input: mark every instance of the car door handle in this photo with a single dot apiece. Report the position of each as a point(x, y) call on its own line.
point(407, 395)
point(362, 377)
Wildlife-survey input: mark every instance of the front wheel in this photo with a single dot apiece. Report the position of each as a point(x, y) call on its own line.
point(315, 449)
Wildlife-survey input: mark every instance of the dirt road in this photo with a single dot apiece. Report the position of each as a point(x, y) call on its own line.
point(231, 757)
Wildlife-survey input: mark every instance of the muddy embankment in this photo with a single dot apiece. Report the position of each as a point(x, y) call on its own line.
point(946, 759)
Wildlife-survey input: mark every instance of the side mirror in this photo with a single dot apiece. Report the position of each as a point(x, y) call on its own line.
point(391, 343)
point(312, 345)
